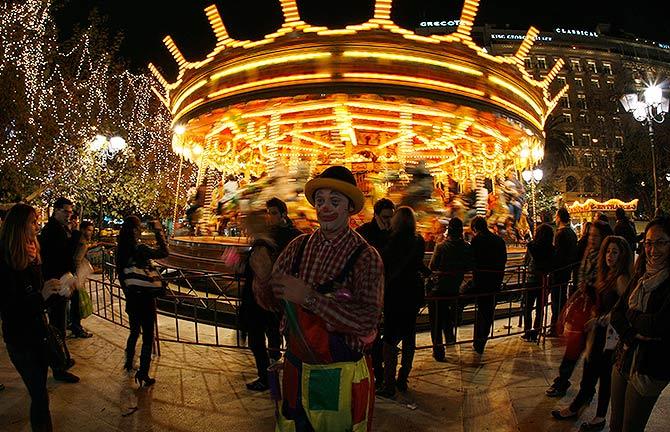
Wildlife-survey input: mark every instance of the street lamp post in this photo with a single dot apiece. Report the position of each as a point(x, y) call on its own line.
point(651, 107)
point(105, 148)
point(533, 177)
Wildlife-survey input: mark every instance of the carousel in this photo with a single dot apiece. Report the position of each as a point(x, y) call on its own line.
point(435, 122)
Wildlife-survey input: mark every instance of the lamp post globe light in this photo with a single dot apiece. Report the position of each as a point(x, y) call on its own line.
point(650, 108)
point(533, 177)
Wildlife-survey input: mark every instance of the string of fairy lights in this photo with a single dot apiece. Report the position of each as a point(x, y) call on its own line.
point(61, 97)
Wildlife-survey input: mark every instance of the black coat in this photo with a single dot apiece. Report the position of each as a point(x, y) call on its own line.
point(22, 305)
point(375, 236)
point(540, 260)
point(490, 254)
point(403, 291)
point(57, 250)
point(566, 257)
point(626, 229)
point(653, 356)
point(453, 257)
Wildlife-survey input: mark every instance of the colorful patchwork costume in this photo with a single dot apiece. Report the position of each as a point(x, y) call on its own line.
point(327, 378)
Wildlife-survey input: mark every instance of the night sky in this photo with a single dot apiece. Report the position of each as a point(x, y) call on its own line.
point(144, 23)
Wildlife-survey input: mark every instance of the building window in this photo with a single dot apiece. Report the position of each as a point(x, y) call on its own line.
point(607, 68)
point(581, 101)
point(572, 161)
point(570, 137)
point(571, 184)
point(591, 66)
point(595, 83)
point(528, 63)
point(541, 63)
point(576, 66)
point(589, 184)
point(617, 122)
point(601, 120)
point(586, 140)
point(567, 118)
point(582, 118)
point(579, 82)
point(561, 81)
point(618, 140)
point(610, 85)
point(565, 101)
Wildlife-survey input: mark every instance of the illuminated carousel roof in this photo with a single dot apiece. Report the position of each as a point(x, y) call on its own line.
point(372, 94)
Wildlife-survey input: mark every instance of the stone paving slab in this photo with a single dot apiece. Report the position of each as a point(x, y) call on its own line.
point(202, 388)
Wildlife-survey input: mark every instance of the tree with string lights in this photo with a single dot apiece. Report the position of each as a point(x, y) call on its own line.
point(56, 98)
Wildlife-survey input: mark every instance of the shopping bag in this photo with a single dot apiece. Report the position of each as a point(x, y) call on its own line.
point(85, 304)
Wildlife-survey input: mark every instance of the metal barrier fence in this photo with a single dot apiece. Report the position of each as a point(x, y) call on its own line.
point(203, 308)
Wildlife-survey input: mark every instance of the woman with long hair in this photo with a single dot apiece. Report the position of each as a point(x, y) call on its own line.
point(579, 308)
point(403, 297)
point(641, 317)
point(133, 262)
point(615, 266)
point(22, 308)
point(539, 260)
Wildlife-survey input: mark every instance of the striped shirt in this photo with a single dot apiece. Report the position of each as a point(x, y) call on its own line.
point(322, 261)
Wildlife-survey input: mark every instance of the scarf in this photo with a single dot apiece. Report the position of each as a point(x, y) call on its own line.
point(639, 297)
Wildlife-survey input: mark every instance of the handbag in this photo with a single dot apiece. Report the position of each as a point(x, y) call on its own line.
point(143, 280)
point(576, 313)
point(58, 355)
point(85, 304)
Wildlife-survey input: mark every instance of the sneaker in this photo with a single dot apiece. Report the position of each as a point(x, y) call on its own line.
point(258, 386)
point(556, 391)
point(66, 377)
point(81, 333)
point(386, 393)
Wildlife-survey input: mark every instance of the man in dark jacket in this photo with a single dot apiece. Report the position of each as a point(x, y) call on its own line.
point(258, 322)
point(625, 228)
point(377, 231)
point(451, 259)
point(490, 256)
point(566, 259)
point(57, 260)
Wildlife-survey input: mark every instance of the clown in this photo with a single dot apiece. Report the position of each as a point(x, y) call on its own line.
point(330, 284)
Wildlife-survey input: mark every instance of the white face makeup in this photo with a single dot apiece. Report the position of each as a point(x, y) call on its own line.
point(332, 210)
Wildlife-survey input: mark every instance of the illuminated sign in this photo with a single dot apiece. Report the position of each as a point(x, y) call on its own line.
point(519, 37)
point(450, 23)
point(576, 32)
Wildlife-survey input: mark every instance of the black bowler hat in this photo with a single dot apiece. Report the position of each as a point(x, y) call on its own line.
point(340, 179)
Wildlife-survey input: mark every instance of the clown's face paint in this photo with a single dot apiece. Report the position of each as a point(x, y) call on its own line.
point(332, 211)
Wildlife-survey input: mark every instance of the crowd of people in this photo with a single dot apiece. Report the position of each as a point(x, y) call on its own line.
point(343, 304)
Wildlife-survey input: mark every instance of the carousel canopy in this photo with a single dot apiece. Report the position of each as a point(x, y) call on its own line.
point(373, 95)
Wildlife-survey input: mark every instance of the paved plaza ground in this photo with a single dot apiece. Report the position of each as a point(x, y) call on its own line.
point(202, 388)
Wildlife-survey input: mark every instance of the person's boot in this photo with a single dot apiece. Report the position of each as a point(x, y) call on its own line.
point(390, 356)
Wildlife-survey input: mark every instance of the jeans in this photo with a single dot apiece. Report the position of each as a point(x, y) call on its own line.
point(630, 410)
point(575, 344)
point(75, 313)
point(390, 354)
point(57, 306)
point(597, 367)
point(257, 332)
point(442, 315)
point(486, 306)
point(533, 298)
point(31, 364)
point(141, 311)
point(559, 295)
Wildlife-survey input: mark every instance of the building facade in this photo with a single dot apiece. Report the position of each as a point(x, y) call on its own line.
point(599, 68)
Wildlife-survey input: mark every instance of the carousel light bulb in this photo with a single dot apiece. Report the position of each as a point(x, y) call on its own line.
point(179, 130)
point(525, 153)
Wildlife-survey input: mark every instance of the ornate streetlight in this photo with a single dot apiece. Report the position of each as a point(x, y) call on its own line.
point(651, 107)
point(533, 177)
